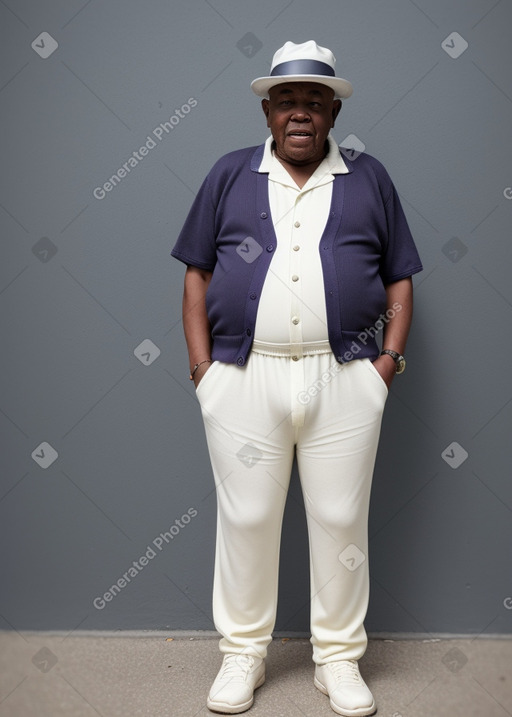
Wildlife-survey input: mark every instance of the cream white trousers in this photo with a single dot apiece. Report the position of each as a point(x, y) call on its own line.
point(255, 417)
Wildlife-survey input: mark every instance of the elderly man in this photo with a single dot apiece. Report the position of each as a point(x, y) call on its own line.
point(296, 258)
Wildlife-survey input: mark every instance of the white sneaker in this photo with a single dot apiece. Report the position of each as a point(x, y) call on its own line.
point(233, 688)
point(348, 693)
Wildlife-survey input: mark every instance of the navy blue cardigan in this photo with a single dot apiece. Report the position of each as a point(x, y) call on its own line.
point(366, 245)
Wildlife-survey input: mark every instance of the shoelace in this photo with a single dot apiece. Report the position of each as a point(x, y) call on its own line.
point(236, 667)
point(346, 671)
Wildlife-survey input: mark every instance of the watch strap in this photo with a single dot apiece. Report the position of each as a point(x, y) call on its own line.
point(394, 354)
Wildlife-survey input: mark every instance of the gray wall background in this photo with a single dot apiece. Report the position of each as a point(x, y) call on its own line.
point(86, 281)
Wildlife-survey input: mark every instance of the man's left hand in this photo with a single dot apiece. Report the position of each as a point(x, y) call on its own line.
point(387, 368)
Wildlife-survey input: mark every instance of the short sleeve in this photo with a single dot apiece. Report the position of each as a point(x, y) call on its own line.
point(196, 243)
point(400, 258)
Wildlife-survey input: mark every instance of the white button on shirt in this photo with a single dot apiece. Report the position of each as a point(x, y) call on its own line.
point(292, 304)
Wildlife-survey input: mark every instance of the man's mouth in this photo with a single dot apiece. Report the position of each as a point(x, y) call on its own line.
point(299, 133)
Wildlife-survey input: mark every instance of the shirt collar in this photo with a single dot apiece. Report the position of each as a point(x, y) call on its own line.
point(333, 162)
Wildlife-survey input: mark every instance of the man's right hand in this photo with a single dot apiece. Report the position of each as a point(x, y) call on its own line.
point(195, 320)
point(200, 372)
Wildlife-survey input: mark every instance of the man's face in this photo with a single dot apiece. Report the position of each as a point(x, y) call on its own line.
point(300, 115)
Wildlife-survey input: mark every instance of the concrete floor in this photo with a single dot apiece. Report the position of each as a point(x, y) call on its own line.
point(43, 675)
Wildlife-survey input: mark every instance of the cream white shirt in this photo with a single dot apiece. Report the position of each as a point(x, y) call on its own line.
point(292, 304)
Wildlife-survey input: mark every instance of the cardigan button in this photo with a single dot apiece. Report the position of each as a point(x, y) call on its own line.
point(270, 247)
point(263, 215)
point(253, 296)
point(248, 332)
point(240, 361)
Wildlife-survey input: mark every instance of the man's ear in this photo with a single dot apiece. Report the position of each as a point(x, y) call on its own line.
point(336, 108)
point(265, 106)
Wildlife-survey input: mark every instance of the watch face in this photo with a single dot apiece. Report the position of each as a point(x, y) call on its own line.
point(400, 364)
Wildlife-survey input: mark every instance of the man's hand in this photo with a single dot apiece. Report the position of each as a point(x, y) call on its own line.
point(386, 367)
point(200, 372)
point(195, 320)
point(398, 295)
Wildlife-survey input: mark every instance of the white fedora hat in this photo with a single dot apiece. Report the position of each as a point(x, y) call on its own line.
point(305, 62)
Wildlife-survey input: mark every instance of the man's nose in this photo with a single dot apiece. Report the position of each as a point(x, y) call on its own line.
point(301, 114)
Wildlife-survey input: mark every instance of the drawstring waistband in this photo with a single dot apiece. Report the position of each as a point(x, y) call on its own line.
point(294, 351)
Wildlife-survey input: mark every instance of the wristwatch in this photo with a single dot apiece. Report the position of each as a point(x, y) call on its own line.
point(397, 358)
